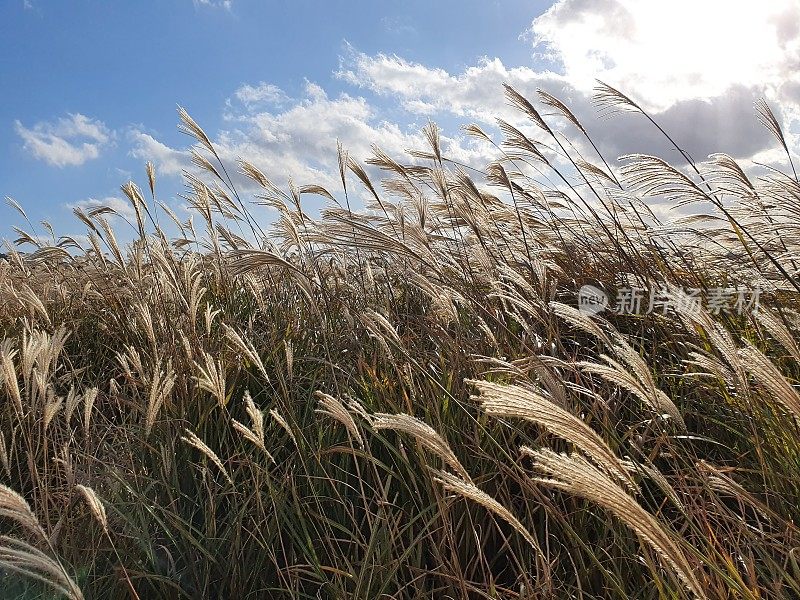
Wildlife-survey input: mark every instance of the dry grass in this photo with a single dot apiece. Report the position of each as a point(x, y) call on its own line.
point(286, 411)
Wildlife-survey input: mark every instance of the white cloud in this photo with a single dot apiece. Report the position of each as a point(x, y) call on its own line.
point(226, 4)
point(697, 67)
point(123, 208)
point(299, 140)
point(70, 141)
point(475, 93)
point(664, 52)
point(168, 161)
point(725, 122)
point(260, 95)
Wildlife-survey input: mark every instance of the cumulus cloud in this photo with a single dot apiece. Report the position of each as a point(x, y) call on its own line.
point(226, 4)
point(168, 161)
point(725, 122)
point(475, 93)
point(666, 52)
point(261, 94)
point(119, 206)
point(299, 139)
point(696, 67)
point(70, 141)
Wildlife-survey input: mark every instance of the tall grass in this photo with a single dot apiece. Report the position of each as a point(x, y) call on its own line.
point(404, 401)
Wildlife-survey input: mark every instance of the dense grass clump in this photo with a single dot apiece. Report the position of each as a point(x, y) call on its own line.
point(405, 402)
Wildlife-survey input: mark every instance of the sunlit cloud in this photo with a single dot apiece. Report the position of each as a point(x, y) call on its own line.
point(69, 141)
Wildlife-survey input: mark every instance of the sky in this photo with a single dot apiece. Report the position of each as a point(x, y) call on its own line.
point(90, 88)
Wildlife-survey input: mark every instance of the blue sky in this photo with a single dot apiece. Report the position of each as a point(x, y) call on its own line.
point(127, 65)
point(90, 87)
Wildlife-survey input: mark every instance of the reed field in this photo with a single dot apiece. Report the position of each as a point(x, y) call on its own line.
point(398, 396)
